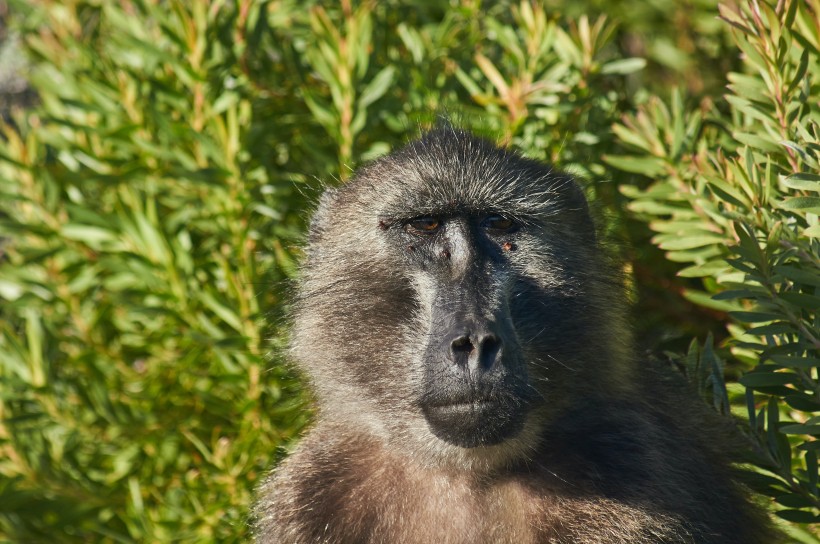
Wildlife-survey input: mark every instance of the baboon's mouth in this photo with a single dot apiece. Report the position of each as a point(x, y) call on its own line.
point(475, 422)
point(466, 405)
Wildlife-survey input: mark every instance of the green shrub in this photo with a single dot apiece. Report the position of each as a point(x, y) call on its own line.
point(147, 225)
point(736, 203)
point(151, 204)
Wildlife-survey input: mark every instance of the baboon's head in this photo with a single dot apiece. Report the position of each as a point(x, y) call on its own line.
point(453, 299)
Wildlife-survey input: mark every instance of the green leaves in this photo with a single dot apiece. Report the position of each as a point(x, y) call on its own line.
point(135, 278)
point(742, 192)
point(340, 55)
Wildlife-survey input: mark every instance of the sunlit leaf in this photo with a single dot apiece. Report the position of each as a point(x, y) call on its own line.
point(623, 66)
point(809, 204)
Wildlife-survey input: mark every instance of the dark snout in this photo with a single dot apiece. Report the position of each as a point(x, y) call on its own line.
point(475, 383)
point(472, 345)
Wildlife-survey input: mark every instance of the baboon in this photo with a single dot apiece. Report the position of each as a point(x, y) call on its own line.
point(474, 374)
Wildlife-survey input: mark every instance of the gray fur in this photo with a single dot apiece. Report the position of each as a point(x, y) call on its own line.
point(603, 452)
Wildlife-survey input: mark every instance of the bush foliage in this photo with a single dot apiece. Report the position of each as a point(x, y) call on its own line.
point(736, 198)
point(152, 204)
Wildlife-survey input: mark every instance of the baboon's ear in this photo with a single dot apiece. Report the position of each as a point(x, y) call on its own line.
point(318, 223)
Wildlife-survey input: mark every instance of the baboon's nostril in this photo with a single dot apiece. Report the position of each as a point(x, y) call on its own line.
point(461, 348)
point(489, 347)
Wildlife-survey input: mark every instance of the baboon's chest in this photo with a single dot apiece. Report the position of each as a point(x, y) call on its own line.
point(422, 508)
point(452, 512)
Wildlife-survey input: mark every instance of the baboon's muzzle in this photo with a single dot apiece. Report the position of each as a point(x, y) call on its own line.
point(475, 390)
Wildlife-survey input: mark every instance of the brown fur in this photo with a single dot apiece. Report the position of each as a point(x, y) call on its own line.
point(588, 483)
point(609, 451)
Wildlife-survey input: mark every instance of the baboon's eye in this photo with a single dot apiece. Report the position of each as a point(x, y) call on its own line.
point(499, 223)
point(423, 225)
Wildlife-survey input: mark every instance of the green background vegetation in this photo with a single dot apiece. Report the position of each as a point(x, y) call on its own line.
point(154, 196)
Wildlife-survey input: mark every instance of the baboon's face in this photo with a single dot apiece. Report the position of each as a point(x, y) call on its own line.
point(474, 385)
point(445, 298)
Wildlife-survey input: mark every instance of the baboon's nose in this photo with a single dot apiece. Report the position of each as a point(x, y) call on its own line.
point(476, 352)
